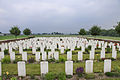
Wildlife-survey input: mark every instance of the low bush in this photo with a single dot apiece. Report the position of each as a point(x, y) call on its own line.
point(87, 50)
point(13, 78)
point(31, 60)
point(62, 59)
point(89, 76)
point(6, 60)
point(112, 74)
point(6, 52)
point(79, 71)
point(50, 76)
point(69, 76)
point(89, 47)
point(61, 76)
point(51, 60)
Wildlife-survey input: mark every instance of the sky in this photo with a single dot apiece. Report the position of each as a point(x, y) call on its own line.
point(66, 16)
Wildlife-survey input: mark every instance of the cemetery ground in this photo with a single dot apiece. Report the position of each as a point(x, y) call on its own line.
point(56, 67)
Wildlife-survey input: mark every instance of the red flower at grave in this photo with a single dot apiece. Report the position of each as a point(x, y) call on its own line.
point(115, 44)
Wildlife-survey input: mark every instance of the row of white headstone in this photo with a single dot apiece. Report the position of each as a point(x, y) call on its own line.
point(56, 55)
point(68, 67)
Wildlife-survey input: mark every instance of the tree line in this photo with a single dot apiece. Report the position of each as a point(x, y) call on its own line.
point(96, 30)
point(16, 31)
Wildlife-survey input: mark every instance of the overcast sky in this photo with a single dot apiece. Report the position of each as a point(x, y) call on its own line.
point(58, 15)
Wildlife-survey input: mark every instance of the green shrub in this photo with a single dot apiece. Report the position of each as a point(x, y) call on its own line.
point(77, 48)
point(61, 76)
point(89, 76)
point(6, 60)
point(112, 74)
point(51, 60)
point(87, 50)
point(62, 59)
point(32, 76)
point(6, 52)
point(31, 60)
point(69, 76)
point(89, 47)
point(13, 78)
point(108, 49)
point(50, 76)
point(74, 52)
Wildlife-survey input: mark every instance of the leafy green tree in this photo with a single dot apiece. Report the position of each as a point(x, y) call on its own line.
point(27, 31)
point(117, 28)
point(82, 31)
point(95, 30)
point(15, 31)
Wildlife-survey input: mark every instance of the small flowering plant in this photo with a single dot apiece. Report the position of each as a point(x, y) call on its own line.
point(79, 71)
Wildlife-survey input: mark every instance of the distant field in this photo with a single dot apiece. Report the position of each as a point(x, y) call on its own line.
point(88, 36)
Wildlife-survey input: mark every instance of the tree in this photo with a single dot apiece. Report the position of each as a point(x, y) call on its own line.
point(117, 28)
point(95, 30)
point(15, 31)
point(82, 31)
point(27, 31)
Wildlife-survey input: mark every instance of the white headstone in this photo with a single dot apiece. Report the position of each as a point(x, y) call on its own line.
point(44, 55)
point(69, 67)
point(114, 54)
point(80, 55)
point(91, 54)
point(56, 55)
point(24, 56)
point(37, 56)
point(89, 66)
point(2, 55)
point(50, 55)
point(21, 68)
point(44, 67)
point(0, 69)
point(69, 55)
point(12, 56)
point(107, 65)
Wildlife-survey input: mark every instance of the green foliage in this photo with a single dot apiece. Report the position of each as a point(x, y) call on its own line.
point(95, 30)
point(62, 59)
point(13, 78)
point(112, 74)
point(89, 47)
point(15, 31)
point(51, 60)
point(50, 76)
point(27, 31)
point(69, 76)
point(6, 60)
point(87, 50)
point(82, 31)
point(61, 76)
point(31, 60)
point(89, 76)
point(117, 28)
point(109, 32)
point(6, 52)
point(108, 49)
